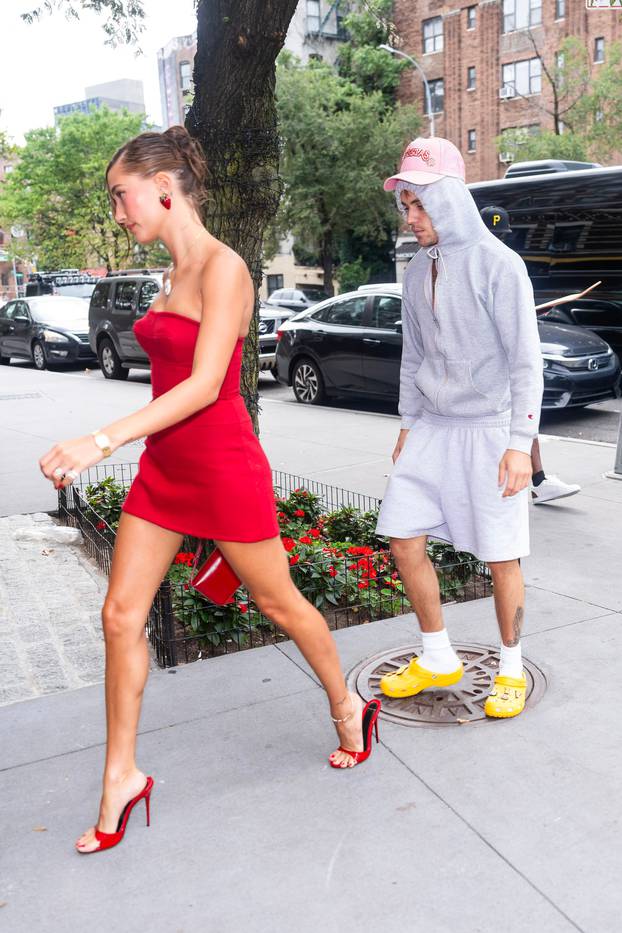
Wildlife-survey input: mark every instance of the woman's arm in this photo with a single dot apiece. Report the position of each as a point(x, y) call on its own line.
point(226, 292)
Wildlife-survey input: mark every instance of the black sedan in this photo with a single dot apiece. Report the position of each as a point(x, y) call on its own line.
point(352, 345)
point(49, 330)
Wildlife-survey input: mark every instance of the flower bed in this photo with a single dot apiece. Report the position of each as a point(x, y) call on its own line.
point(337, 561)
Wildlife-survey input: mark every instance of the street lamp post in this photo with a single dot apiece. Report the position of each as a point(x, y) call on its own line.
point(428, 96)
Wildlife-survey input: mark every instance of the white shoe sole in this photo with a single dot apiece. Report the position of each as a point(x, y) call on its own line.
point(562, 495)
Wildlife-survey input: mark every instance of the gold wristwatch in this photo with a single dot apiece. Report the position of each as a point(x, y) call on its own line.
point(103, 442)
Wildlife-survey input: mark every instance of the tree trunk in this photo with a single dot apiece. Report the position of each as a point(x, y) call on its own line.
point(326, 252)
point(233, 115)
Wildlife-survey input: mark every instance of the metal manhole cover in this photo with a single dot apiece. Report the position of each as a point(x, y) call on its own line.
point(443, 707)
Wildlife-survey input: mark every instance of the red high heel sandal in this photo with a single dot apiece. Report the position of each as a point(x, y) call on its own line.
point(108, 840)
point(370, 721)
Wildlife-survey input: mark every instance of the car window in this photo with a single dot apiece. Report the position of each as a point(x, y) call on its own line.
point(99, 298)
point(349, 312)
point(387, 311)
point(7, 311)
point(124, 296)
point(22, 311)
point(148, 292)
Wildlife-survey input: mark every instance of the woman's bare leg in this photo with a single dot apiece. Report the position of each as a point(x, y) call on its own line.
point(264, 569)
point(142, 555)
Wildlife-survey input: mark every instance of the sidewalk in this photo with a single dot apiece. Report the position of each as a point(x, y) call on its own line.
point(493, 826)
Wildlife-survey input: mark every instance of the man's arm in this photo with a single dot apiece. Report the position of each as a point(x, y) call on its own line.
point(515, 319)
point(411, 399)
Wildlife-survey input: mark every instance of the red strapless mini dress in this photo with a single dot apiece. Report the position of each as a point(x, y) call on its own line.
point(206, 476)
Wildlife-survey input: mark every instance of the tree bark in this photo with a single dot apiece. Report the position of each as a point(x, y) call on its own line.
point(233, 115)
point(326, 251)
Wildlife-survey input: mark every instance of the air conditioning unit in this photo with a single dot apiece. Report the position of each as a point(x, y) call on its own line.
point(506, 92)
point(506, 157)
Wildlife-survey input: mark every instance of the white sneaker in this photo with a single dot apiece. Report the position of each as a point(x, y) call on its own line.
point(553, 488)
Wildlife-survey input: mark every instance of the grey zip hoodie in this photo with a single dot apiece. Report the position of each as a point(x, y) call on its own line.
point(477, 352)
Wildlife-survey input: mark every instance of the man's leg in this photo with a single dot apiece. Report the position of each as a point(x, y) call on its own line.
point(438, 664)
point(546, 488)
point(508, 697)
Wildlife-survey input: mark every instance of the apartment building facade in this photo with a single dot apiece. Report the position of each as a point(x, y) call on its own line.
point(175, 66)
point(483, 66)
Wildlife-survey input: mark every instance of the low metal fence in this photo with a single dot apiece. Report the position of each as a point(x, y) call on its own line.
point(350, 586)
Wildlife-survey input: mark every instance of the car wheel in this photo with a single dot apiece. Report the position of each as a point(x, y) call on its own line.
point(38, 355)
point(110, 361)
point(307, 383)
point(273, 373)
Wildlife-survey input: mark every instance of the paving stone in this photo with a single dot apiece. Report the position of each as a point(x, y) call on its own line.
point(50, 611)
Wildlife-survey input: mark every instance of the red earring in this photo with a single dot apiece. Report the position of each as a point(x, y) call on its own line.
point(165, 201)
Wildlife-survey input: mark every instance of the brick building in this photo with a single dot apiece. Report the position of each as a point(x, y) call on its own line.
point(483, 71)
point(175, 64)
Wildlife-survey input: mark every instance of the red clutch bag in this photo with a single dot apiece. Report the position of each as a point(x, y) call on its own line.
point(215, 579)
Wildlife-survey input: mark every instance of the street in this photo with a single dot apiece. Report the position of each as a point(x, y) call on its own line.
point(599, 422)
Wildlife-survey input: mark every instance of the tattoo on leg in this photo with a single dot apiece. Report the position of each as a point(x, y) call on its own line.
point(517, 625)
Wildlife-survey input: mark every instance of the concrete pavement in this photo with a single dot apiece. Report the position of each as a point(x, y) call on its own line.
point(492, 826)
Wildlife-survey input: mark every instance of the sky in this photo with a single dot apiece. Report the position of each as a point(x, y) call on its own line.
point(52, 61)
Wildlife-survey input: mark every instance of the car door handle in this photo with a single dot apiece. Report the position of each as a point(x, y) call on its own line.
point(371, 340)
point(11, 328)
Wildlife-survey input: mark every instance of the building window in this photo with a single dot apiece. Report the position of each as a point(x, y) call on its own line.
point(560, 9)
point(185, 76)
point(274, 282)
point(472, 140)
point(313, 16)
point(599, 49)
point(433, 34)
point(521, 14)
point(521, 78)
point(471, 14)
point(471, 78)
point(437, 96)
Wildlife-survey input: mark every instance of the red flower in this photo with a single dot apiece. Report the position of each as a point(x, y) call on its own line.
point(332, 571)
point(360, 550)
point(299, 513)
point(294, 559)
point(394, 575)
point(362, 584)
point(184, 557)
point(315, 532)
point(288, 543)
point(242, 607)
point(100, 526)
point(281, 514)
point(306, 539)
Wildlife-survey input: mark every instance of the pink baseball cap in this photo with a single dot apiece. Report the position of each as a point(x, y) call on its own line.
point(428, 160)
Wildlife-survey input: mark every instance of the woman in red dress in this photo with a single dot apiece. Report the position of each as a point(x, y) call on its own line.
point(203, 471)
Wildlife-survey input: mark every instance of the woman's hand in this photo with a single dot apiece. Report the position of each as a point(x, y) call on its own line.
point(515, 472)
point(400, 443)
point(76, 455)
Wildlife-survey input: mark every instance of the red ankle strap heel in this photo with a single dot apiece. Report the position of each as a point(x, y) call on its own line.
point(109, 840)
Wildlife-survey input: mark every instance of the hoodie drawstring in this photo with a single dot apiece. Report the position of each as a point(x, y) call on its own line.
point(435, 253)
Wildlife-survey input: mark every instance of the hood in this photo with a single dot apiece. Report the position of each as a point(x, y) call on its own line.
point(453, 213)
point(569, 341)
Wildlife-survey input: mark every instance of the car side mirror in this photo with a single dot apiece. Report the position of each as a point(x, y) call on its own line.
point(398, 327)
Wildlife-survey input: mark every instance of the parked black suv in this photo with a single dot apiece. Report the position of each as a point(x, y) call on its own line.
point(116, 303)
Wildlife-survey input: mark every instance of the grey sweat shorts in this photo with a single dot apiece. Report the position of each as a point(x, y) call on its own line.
point(445, 485)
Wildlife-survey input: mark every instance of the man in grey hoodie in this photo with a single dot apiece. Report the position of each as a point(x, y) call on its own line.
point(470, 394)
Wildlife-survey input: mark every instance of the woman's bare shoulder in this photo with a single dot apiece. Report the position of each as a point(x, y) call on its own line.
point(223, 258)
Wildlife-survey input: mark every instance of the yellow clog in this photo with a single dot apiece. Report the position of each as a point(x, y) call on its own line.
point(411, 679)
point(507, 698)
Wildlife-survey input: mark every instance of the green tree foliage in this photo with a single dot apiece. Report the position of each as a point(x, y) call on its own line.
point(585, 109)
point(123, 23)
point(360, 60)
point(57, 193)
point(339, 143)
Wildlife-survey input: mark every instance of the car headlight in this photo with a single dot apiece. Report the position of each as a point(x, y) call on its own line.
point(52, 336)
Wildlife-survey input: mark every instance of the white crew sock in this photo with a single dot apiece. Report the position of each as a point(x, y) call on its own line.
point(437, 654)
point(511, 661)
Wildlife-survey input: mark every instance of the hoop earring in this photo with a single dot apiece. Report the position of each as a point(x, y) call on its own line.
point(165, 200)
